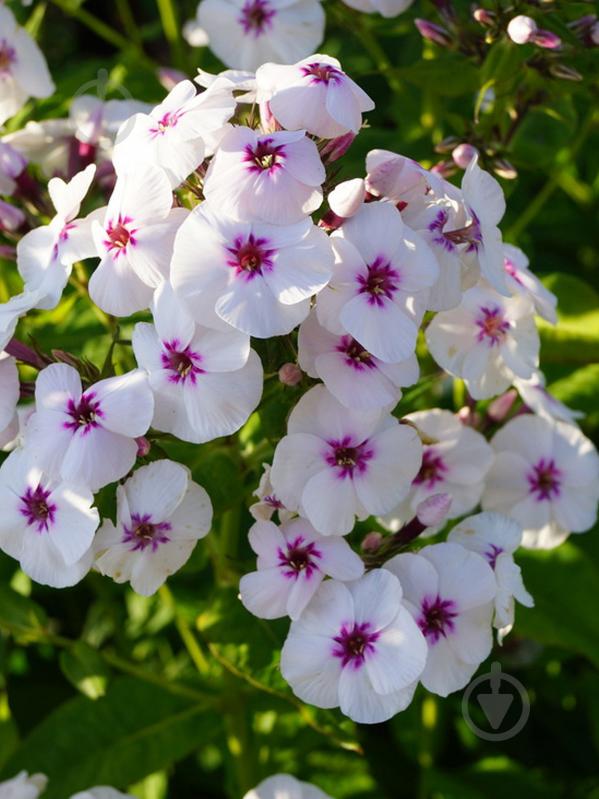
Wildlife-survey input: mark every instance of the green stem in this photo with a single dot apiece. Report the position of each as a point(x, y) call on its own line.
point(191, 644)
point(239, 741)
point(128, 20)
point(170, 25)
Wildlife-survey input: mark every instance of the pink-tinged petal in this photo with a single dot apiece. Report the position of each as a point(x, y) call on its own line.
point(266, 539)
point(157, 489)
point(377, 229)
point(147, 347)
point(418, 577)
point(265, 593)
point(126, 403)
point(297, 458)
point(302, 591)
point(47, 438)
point(339, 560)
point(55, 386)
point(483, 194)
point(377, 599)
point(341, 105)
point(302, 270)
point(329, 502)
point(97, 458)
point(383, 329)
point(331, 608)
point(304, 162)
point(319, 413)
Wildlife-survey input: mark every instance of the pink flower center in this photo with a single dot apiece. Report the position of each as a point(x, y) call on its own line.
point(251, 256)
point(380, 282)
point(84, 413)
point(492, 326)
point(8, 56)
point(432, 470)
point(347, 457)
point(436, 618)
point(167, 121)
point(299, 558)
point(119, 235)
point(144, 533)
point(492, 554)
point(354, 643)
point(471, 234)
point(265, 156)
point(256, 17)
point(544, 480)
point(37, 508)
point(322, 73)
point(355, 354)
point(182, 363)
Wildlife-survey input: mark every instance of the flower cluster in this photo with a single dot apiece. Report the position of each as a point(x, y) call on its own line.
point(223, 225)
point(31, 786)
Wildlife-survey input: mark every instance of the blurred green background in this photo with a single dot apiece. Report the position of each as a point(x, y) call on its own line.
point(179, 695)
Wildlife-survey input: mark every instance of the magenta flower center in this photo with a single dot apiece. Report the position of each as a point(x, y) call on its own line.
point(183, 363)
point(256, 17)
point(144, 533)
point(380, 282)
point(436, 618)
point(321, 73)
point(251, 256)
point(8, 56)
point(38, 509)
point(544, 480)
point(354, 643)
point(299, 558)
point(470, 234)
point(432, 470)
point(492, 326)
point(265, 156)
point(84, 413)
point(168, 120)
point(355, 354)
point(348, 457)
point(492, 554)
point(119, 235)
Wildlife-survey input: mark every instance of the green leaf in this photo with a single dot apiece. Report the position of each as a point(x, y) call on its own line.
point(20, 616)
point(575, 338)
point(136, 729)
point(85, 669)
point(580, 389)
point(433, 75)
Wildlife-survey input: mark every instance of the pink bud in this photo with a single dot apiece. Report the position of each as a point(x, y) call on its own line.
point(434, 33)
point(290, 374)
point(11, 217)
point(346, 199)
point(433, 510)
point(445, 169)
point(267, 118)
point(330, 221)
point(143, 446)
point(7, 252)
point(468, 416)
point(12, 162)
point(463, 154)
point(546, 39)
point(169, 77)
point(371, 542)
point(484, 17)
point(500, 407)
point(336, 148)
point(521, 29)
point(504, 169)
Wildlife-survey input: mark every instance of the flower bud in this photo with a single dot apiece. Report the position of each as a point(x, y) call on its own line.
point(546, 39)
point(445, 169)
point(335, 148)
point(330, 221)
point(504, 169)
point(468, 416)
point(143, 446)
point(346, 199)
point(290, 374)
point(521, 29)
point(371, 542)
point(169, 77)
point(564, 72)
point(7, 252)
point(434, 33)
point(267, 119)
point(447, 144)
point(463, 154)
point(194, 34)
point(500, 407)
point(484, 17)
point(433, 510)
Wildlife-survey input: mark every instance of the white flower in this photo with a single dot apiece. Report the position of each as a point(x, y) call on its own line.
point(546, 477)
point(521, 29)
point(352, 374)
point(12, 310)
point(161, 514)
point(284, 786)
point(88, 436)
point(173, 135)
point(293, 559)
point(347, 197)
point(247, 33)
point(101, 792)
point(23, 69)
point(386, 8)
point(449, 591)
point(335, 464)
point(538, 399)
point(9, 389)
point(134, 242)
point(23, 786)
point(380, 266)
point(12, 164)
point(520, 280)
point(274, 177)
point(356, 646)
point(313, 95)
point(256, 277)
point(206, 382)
point(13, 435)
point(46, 254)
point(455, 461)
point(496, 537)
point(47, 523)
point(487, 341)
point(268, 502)
point(399, 179)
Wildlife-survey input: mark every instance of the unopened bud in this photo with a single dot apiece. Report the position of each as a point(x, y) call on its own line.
point(447, 144)
point(504, 169)
point(143, 446)
point(7, 252)
point(346, 199)
point(500, 407)
point(290, 374)
point(335, 148)
point(169, 77)
point(371, 542)
point(546, 39)
point(484, 17)
point(468, 416)
point(434, 33)
point(267, 118)
point(564, 73)
point(330, 221)
point(445, 169)
point(433, 510)
point(521, 29)
point(463, 154)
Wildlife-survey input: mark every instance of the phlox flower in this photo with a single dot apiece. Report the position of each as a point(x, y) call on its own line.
point(161, 514)
point(88, 436)
point(313, 95)
point(284, 786)
point(9, 389)
point(386, 8)
point(101, 792)
point(352, 374)
point(46, 254)
point(256, 277)
point(273, 177)
point(134, 241)
point(206, 382)
point(23, 69)
point(403, 181)
point(247, 33)
point(293, 560)
point(13, 309)
point(496, 537)
point(268, 502)
point(357, 647)
point(487, 341)
point(335, 464)
point(173, 135)
point(546, 477)
point(455, 461)
point(520, 280)
point(381, 265)
point(534, 394)
point(450, 592)
point(23, 786)
point(12, 165)
point(47, 522)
